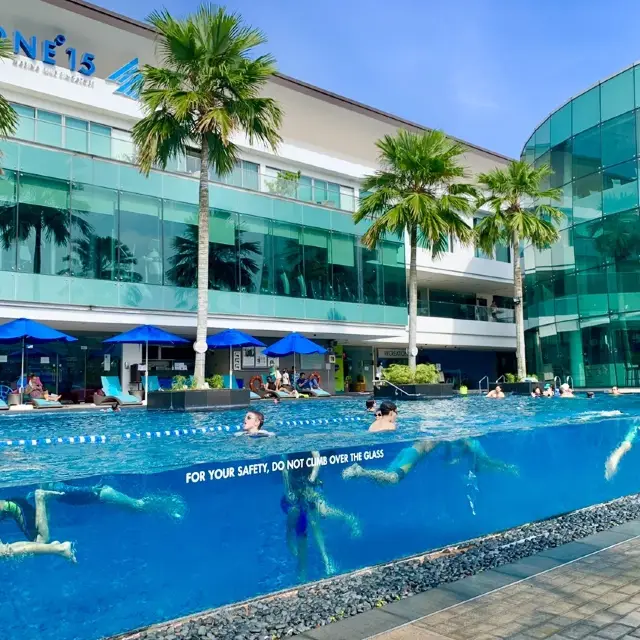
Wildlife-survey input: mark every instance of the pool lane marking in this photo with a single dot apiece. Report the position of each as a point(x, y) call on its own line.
point(100, 439)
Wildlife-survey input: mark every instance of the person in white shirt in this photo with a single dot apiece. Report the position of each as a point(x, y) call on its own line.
point(285, 381)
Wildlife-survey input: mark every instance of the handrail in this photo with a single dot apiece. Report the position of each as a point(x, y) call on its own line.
point(569, 383)
point(481, 381)
point(406, 393)
point(501, 379)
point(557, 384)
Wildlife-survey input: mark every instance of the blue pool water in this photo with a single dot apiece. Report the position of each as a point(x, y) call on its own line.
point(506, 463)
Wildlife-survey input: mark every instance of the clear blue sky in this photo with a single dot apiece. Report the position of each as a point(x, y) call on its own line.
point(486, 71)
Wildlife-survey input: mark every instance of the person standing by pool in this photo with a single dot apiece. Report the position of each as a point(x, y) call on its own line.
point(404, 462)
point(386, 419)
point(304, 505)
point(286, 380)
point(496, 393)
point(34, 524)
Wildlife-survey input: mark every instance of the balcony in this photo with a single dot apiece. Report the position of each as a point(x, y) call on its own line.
point(457, 311)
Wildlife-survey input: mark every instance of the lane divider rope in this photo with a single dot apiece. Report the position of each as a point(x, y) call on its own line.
point(149, 435)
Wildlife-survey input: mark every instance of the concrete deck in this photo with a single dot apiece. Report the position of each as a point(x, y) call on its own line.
point(585, 590)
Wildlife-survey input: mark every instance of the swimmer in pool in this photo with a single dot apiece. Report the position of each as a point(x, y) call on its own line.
point(385, 418)
point(496, 393)
point(253, 422)
point(34, 524)
point(611, 465)
point(172, 505)
point(371, 405)
point(615, 391)
point(405, 461)
point(304, 505)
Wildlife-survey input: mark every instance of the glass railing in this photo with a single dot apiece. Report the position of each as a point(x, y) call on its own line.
point(93, 140)
point(458, 311)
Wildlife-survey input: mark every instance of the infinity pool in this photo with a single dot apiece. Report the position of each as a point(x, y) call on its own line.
point(167, 525)
point(313, 429)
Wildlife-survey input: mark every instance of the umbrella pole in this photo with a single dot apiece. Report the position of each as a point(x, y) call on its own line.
point(230, 368)
point(146, 375)
point(22, 374)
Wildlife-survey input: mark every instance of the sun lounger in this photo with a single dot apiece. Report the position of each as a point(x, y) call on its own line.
point(113, 392)
point(3, 405)
point(154, 384)
point(41, 403)
point(318, 393)
point(254, 396)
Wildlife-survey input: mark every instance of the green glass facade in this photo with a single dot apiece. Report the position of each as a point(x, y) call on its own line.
point(582, 296)
point(80, 229)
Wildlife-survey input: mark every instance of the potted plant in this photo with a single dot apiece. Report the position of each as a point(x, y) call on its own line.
point(360, 386)
point(347, 383)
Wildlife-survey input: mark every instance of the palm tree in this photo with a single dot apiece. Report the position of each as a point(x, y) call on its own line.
point(8, 117)
point(515, 198)
point(206, 89)
point(419, 191)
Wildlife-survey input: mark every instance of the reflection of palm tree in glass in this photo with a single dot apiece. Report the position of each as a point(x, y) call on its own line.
point(102, 258)
point(620, 238)
point(223, 267)
point(48, 223)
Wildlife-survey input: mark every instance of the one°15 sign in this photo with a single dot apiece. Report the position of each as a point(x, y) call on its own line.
point(81, 62)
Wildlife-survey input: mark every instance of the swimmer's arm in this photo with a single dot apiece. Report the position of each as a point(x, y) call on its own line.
point(316, 466)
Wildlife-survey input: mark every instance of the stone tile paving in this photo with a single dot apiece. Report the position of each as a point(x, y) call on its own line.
point(595, 598)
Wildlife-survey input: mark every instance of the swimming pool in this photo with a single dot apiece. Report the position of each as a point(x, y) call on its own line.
point(220, 523)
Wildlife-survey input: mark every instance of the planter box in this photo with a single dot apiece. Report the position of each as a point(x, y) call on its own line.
point(519, 388)
point(198, 399)
point(416, 391)
point(358, 387)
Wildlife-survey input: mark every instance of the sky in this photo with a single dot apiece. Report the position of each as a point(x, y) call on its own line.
point(484, 71)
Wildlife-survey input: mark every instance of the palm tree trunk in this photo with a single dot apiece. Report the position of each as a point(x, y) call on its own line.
point(203, 261)
point(518, 310)
point(37, 251)
point(413, 299)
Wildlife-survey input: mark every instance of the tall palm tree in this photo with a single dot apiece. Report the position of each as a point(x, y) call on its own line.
point(8, 117)
point(205, 89)
point(419, 191)
point(518, 214)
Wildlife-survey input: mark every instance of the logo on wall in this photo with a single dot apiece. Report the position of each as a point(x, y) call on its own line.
point(127, 78)
point(81, 62)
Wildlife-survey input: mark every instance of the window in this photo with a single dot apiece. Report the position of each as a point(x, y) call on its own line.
point(26, 129)
point(587, 153)
point(316, 263)
point(223, 252)
point(617, 95)
point(344, 273)
point(587, 198)
point(256, 255)
point(395, 280)
point(288, 260)
point(100, 140)
point(620, 187)
point(180, 243)
point(77, 135)
point(561, 125)
point(619, 139)
point(585, 110)
point(49, 128)
point(543, 138)
point(561, 163)
point(8, 220)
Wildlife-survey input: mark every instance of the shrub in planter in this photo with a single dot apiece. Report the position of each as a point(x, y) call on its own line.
point(427, 374)
point(215, 382)
point(178, 383)
point(398, 374)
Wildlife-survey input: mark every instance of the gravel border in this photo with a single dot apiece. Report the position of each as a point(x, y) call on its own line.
point(298, 610)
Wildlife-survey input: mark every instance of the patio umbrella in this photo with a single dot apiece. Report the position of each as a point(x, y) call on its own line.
point(232, 338)
point(24, 329)
point(292, 344)
point(146, 334)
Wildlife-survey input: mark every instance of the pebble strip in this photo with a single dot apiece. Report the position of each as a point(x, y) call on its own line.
point(320, 603)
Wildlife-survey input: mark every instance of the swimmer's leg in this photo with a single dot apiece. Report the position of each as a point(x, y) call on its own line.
point(42, 517)
point(19, 549)
point(318, 536)
point(297, 542)
point(327, 511)
point(483, 462)
point(377, 475)
point(172, 505)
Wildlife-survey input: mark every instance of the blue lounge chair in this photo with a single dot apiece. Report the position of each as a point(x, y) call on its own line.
point(254, 396)
point(3, 405)
point(113, 391)
point(225, 382)
point(41, 403)
point(154, 384)
point(319, 393)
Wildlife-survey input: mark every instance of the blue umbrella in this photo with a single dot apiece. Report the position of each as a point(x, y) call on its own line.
point(292, 344)
point(24, 329)
point(232, 338)
point(147, 334)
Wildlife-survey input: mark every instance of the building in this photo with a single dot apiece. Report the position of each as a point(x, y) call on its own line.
point(582, 296)
point(92, 247)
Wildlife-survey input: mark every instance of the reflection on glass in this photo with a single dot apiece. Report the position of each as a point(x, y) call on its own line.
point(316, 262)
point(288, 260)
point(8, 213)
point(395, 287)
point(344, 274)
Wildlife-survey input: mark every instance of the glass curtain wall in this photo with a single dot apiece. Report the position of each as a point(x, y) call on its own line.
point(582, 297)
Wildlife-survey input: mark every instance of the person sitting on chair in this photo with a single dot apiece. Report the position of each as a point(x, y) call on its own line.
point(36, 389)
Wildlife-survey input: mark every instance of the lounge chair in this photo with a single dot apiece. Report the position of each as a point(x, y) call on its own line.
point(254, 396)
point(41, 403)
point(318, 393)
point(113, 392)
point(3, 405)
point(225, 382)
point(154, 384)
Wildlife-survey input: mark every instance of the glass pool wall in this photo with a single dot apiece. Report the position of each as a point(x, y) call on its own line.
point(139, 567)
point(582, 296)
